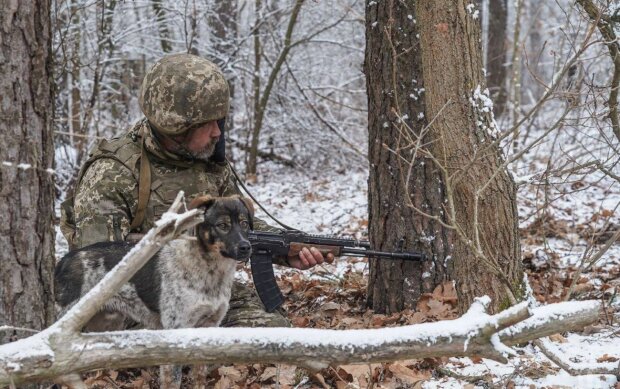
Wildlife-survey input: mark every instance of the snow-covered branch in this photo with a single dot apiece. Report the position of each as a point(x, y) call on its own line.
point(60, 351)
point(53, 353)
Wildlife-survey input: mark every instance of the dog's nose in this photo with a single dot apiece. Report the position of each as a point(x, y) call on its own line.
point(245, 248)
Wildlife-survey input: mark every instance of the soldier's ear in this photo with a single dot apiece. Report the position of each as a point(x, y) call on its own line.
point(202, 202)
point(250, 207)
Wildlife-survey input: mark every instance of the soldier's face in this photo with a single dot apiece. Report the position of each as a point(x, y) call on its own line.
point(200, 142)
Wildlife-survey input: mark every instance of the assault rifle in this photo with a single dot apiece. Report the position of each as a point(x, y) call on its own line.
point(267, 245)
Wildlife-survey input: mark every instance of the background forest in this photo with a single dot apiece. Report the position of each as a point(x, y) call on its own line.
point(299, 134)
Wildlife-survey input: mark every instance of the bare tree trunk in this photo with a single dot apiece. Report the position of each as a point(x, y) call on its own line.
point(532, 89)
point(78, 142)
point(162, 26)
point(262, 97)
point(251, 155)
point(191, 36)
point(480, 192)
point(223, 25)
point(26, 199)
point(396, 119)
point(496, 54)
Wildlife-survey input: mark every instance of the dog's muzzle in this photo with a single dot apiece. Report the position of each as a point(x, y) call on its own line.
point(244, 250)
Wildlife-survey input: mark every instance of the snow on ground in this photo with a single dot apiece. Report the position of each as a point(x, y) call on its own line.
point(337, 204)
point(333, 203)
point(533, 368)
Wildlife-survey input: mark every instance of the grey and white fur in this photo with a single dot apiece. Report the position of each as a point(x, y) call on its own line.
point(187, 284)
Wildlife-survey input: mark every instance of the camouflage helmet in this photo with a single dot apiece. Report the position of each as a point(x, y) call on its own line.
point(181, 91)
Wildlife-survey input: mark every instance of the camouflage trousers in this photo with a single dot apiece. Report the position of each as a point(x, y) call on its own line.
point(246, 310)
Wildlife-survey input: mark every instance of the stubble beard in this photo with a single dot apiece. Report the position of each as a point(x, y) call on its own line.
point(206, 152)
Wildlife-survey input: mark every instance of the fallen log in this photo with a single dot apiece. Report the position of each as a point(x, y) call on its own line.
point(54, 352)
point(60, 351)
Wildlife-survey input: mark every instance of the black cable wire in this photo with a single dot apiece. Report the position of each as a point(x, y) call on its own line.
point(256, 201)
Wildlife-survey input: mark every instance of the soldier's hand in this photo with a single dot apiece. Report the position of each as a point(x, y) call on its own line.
point(308, 258)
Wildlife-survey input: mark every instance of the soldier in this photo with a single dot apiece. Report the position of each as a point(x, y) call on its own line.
point(127, 183)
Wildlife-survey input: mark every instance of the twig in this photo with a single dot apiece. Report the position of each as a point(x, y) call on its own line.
point(22, 329)
point(551, 352)
point(472, 379)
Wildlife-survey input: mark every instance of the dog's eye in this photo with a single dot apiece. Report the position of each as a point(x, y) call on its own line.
point(244, 224)
point(223, 226)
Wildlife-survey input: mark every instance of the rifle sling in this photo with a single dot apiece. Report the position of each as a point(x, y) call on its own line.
point(144, 188)
point(256, 201)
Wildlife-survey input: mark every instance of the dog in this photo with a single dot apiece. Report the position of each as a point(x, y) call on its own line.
point(187, 284)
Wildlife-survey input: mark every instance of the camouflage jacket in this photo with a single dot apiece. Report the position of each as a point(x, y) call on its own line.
point(106, 194)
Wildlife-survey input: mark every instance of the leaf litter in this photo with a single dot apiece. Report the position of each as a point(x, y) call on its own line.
point(334, 297)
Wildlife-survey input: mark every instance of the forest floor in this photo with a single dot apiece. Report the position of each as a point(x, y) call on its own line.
point(558, 226)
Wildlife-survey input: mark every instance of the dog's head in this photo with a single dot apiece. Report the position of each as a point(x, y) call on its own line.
point(227, 221)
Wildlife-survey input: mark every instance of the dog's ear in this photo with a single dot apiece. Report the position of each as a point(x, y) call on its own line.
point(202, 202)
point(250, 206)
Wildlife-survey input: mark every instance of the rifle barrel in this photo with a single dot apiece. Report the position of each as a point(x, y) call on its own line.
point(382, 254)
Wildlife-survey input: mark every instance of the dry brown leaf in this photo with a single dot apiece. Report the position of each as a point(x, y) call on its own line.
point(230, 371)
point(558, 338)
point(438, 309)
point(445, 292)
point(422, 305)
point(330, 306)
point(416, 318)
point(268, 373)
point(607, 213)
point(476, 359)
point(607, 358)
point(113, 374)
point(342, 385)
point(407, 375)
point(300, 321)
point(96, 377)
point(223, 383)
point(286, 376)
point(319, 377)
point(353, 373)
point(352, 322)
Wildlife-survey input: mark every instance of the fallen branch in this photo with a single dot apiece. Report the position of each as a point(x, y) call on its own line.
point(60, 351)
point(572, 368)
point(53, 353)
point(551, 319)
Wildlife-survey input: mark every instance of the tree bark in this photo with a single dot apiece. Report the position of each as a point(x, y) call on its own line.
point(401, 178)
point(496, 54)
point(480, 192)
point(26, 197)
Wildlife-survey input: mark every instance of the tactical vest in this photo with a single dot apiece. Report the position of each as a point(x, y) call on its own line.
point(165, 180)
